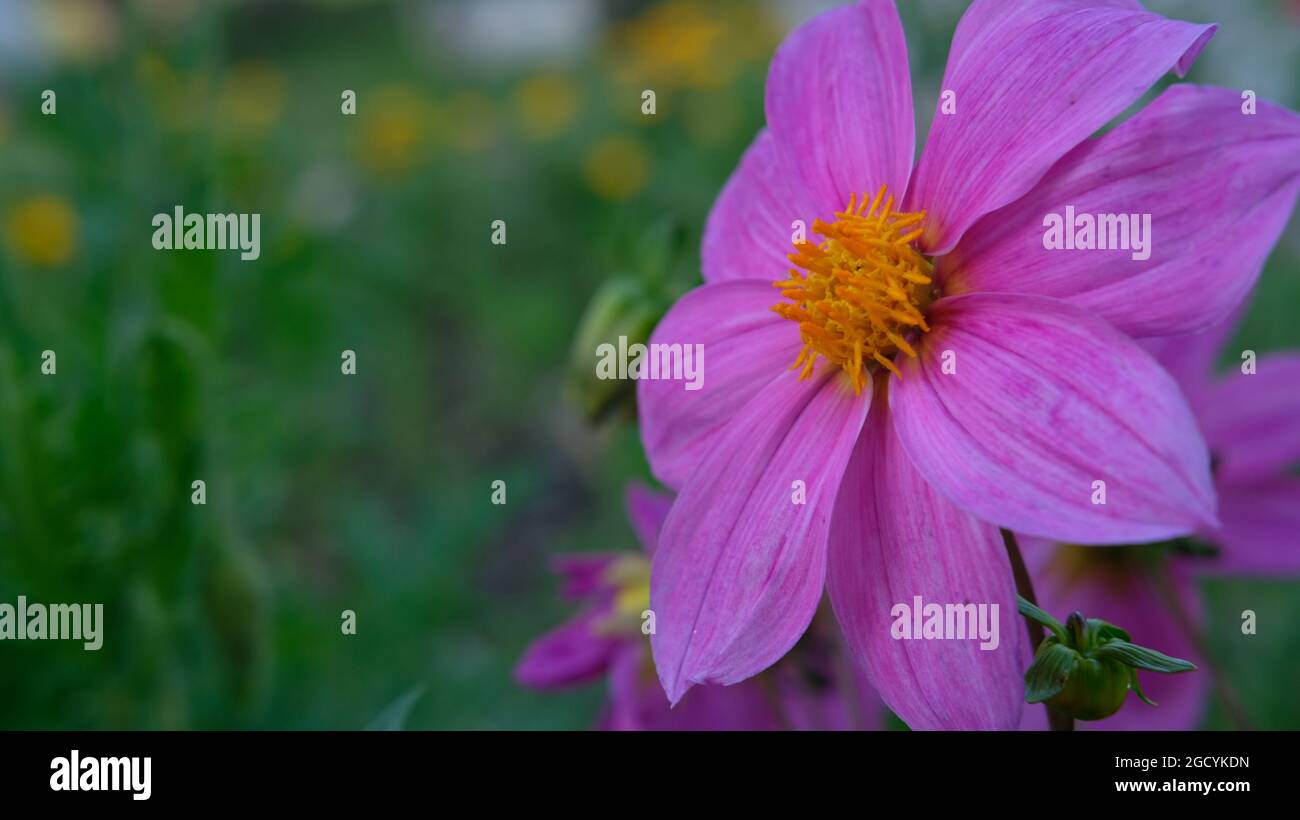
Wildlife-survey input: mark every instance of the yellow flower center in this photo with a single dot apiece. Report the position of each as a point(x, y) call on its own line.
point(861, 292)
point(630, 578)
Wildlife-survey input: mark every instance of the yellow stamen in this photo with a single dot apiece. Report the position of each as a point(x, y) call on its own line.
point(630, 578)
point(861, 292)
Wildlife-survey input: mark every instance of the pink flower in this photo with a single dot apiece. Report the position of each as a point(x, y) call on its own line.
point(605, 640)
point(1020, 383)
point(1252, 425)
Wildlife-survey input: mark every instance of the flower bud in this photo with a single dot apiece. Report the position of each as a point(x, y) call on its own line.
point(1089, 689)
point(1085, 668)
point(624, 306)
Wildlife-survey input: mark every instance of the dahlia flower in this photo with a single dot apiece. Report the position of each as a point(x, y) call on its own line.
point(926, 369)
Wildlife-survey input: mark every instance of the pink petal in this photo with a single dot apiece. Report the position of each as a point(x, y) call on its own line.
point(1031, 80)
point(1044, 401)
point(647, 510)
point(636, 702)
point(1252, 422)
point(746, 346)
point(1260, 535)
point(572, 653)
point(819, 687)
point(839, 106)
point(1217, 185)
point(826, 706)
point(630, 692)
point(1068, 581)
point(744, 707)
point(584, 573)
point(740, 566)
point(1191, 359)
point(750, 230)
point(895, 537)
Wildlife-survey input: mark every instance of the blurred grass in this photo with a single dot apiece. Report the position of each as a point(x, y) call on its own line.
point(369, 492)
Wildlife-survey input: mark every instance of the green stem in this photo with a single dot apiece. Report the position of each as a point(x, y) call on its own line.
point(1025, 587)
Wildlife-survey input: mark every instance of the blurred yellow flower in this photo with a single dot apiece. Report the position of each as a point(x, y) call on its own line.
point(546, 104)
point(251, 98)
point(617, 168)
point(680, 44)
point(394, 124)
point(41, 230)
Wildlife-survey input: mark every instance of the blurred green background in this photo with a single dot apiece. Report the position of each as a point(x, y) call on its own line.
point(371, 492)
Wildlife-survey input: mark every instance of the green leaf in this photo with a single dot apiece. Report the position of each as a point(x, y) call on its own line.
point(393, 718)
point(1133, 684)
point(1109, 632)
point(1050, 671)
point(1139, 657)
point(1037, 615)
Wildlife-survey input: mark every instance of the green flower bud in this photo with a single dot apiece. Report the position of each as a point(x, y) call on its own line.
point(624, 306)
point(1085, 668)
